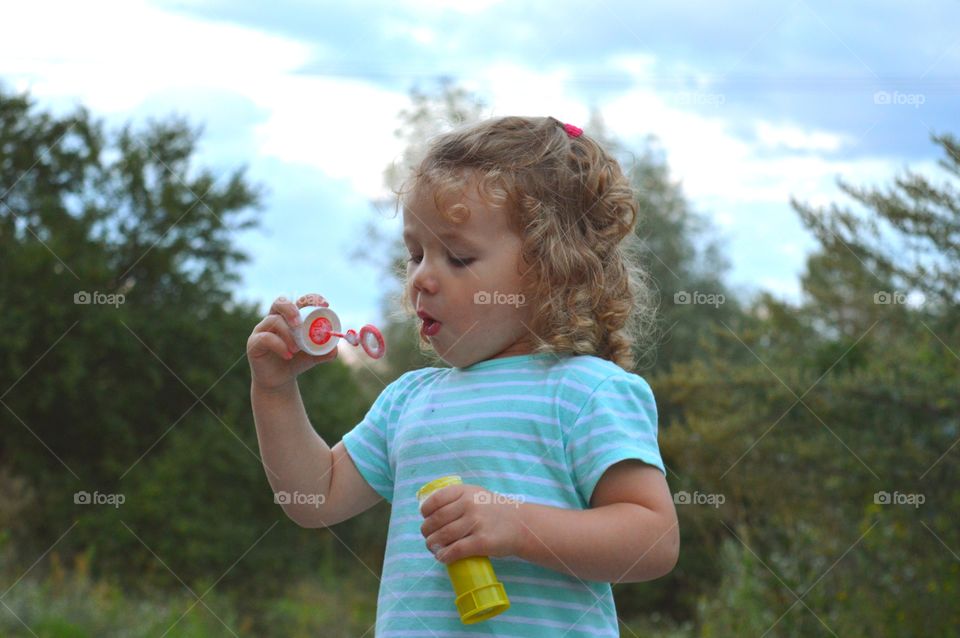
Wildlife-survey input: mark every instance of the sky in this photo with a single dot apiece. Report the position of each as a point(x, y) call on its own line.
point(752, 103)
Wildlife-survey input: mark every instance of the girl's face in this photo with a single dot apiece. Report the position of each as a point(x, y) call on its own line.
point(469, 276)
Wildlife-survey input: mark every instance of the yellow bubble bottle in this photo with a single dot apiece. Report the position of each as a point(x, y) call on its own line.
point(479, 595)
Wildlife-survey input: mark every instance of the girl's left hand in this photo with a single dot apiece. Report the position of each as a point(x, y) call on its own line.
point(467, 520)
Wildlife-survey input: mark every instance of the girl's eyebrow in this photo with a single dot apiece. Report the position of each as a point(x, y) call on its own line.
point(446, 235)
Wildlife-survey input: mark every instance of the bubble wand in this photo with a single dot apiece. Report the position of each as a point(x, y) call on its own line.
point(320, 332)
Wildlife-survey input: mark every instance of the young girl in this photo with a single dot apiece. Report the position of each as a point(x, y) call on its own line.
point(523, 275)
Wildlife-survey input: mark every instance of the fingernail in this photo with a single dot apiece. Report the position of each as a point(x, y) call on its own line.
point(288, 356)
point(436, 548)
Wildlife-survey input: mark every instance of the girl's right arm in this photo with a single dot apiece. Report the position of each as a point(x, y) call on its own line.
point(298, 462)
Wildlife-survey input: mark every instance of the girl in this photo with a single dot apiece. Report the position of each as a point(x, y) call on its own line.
point(523, 275)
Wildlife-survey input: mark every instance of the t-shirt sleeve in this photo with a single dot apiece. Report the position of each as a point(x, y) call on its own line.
point(618, 421)
point(368, 443)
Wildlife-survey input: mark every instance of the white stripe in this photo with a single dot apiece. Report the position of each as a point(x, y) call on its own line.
point(638, 404)
point(372, 472)
point(359, 436)
point(432, 594)
point(603, 466)
point(426, 593)
point(452, 457)
point(609, 411)
point(593, 608)
point(460, 418)
point(407, 519)
point(559, 581)
point(414, 483)
point(603, 375)
point(645, 451)
point(500, 398)
point(626, 389)
point(462, 389)
point(424, 555)
point(400, 503)
point(546, 582)
point(416, 633)
point(541, 442)
point(646, 438)
point(505, 618)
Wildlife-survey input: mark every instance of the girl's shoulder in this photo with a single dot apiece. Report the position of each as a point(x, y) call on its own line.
point(413, 378)
point(592, 371)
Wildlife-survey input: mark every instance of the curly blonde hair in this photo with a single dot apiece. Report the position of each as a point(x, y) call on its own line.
point(576, 213)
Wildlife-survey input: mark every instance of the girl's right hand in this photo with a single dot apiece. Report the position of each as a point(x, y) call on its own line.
point(274, 356)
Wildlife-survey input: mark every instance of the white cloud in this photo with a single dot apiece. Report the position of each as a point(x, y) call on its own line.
point(113, 56)
point(463, 6)
point(116, 58)
point(795, 138)
point(791, 248)
point(344, 128)
point(720, 168)
point(640, 65)
point(515, 89)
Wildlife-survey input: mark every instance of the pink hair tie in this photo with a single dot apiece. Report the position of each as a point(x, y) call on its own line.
point(572, 130)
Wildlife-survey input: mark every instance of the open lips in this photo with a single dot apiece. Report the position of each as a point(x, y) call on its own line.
point(430, 325)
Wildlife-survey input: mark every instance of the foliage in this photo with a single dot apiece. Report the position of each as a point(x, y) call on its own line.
point(143, 398)
point(793, 420)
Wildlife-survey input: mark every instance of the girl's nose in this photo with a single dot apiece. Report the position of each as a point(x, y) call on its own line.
point(424, 279)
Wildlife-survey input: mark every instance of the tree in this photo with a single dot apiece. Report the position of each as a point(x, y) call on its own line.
point(834, 443)
point(123, 365)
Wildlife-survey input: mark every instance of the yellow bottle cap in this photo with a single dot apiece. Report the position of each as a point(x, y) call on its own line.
point(483, 602)
point(435, 485)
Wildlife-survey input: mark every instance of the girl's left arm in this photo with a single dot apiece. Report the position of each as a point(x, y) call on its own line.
point(629, 534)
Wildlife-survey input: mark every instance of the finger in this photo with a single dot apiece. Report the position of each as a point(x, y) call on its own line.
point(318, 358)
point(451, 553)
point(264, 343)
point(278, 325)
point(438, 499)
point(442, 517)
point(312, 299)
point(285, 308)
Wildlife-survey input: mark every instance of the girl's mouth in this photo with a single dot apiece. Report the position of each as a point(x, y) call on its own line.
point(430, 327)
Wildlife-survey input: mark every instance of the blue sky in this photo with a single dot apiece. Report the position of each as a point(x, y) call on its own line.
point(753, 103)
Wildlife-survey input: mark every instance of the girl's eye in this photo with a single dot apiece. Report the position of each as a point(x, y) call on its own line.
point(456, 261)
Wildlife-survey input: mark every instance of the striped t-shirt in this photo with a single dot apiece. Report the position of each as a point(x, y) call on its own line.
point(540, 428)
